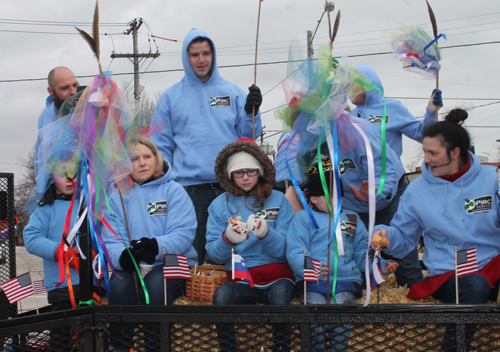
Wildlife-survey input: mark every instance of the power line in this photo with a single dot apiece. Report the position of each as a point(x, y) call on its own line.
point(66, 23)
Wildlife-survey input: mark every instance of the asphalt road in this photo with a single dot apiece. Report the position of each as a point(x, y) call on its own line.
point(25, 262)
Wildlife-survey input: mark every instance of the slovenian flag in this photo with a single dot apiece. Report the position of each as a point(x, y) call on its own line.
point(240, 270)
point(376, 275)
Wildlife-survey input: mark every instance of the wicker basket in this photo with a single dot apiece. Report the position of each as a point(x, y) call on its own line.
point(202, 287)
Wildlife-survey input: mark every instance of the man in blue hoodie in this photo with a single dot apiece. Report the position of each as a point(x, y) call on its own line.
point(62, 85)
point(199, 116)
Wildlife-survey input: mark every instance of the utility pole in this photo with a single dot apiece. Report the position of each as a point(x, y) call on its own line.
point(310, 50)
point(134, 27)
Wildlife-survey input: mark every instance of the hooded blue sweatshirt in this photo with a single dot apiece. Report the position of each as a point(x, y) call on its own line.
point(43, 235)
point(302, 236)
point(353, 164)
point(464, 213)
point(255, 252)
point(199, 119)
point(399, 120)
point(159, 209)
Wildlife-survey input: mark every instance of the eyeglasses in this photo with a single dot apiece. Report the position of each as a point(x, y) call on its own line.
point(241, 173)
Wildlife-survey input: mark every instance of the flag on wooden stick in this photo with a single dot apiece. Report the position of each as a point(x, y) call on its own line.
point(466, 262)
point(175, 266)
point(18, 288)
point(311, 269)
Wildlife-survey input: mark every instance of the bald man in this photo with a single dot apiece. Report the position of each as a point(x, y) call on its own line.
point(62, 85)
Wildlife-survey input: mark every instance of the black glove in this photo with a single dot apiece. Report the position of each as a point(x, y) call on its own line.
point(254, 98)
point(146, 249)
point(126, 260)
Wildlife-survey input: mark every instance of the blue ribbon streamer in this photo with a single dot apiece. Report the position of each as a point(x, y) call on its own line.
point(430, 44)
point(294, 181)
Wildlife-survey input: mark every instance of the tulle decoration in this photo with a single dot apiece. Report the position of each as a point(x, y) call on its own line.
point(417, 50)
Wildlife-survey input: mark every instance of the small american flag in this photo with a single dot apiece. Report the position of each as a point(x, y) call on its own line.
point(466, 262)
point(175, 266)
point(18, 288)
point(38, 287)
point(311, 269)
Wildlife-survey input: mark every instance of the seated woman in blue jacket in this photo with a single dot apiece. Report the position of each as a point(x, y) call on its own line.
point(456, 204)
point(247, 175)
point(160, 216)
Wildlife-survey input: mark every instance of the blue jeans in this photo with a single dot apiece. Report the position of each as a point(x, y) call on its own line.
point(279, 293)
point(337, 334)
point(472, 289)
point(202, 197)
point(123, 292)
point(409, 271)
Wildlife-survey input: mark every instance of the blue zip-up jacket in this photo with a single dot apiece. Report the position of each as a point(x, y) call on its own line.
point(255, 252)
point(43, 235)
point(158, 209)
point(199, 119)
point(302, 236)
point(464, 213)
point(48, 115)
point(353, 164)
point(399, 119)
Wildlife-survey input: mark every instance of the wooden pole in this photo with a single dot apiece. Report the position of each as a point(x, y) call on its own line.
point(34, 295)
point(305, 284)
point(164, 281)
point(456, 274)
point(255, 68)
point(130, 244)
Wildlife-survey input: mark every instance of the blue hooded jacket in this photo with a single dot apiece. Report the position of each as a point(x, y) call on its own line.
point(199, 119)
point(48, 115)
point(354, 165)
point(158, 209)
point(278, 214)
point(399, 120)
point(43, 235)
point(302, 236)
point(464, 213)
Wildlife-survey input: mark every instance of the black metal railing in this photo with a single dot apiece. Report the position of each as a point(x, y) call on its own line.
point(258, 328)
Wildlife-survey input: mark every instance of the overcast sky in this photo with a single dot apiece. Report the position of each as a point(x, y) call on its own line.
point(469, 76)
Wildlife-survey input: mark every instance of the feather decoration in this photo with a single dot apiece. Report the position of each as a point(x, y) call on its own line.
point(433, 19)
point(93, 40)
point(335, 27)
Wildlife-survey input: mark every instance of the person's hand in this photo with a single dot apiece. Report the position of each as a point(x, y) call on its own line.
point(380, 240)
point(126, 260)
point(293, 198)
point(257, 226)
point(146, 249)
point(391, 267)
point(254, 98)
point(236, 232)
point(436, 100)
point(324, 271)
point(73, 257)
point(362, 193)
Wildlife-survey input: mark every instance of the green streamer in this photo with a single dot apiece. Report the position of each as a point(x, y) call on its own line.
point(382, 135)
point(90, 302)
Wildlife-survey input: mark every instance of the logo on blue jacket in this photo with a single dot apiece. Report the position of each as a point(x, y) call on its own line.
point(345, 165)
point(348, 227)
point(224, 101)
point(270, 214)
point(478, 205)
point(157, 208)
point(378, 119)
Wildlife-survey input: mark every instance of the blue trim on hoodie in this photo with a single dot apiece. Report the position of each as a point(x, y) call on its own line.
point(194, 132)
point(43, 235)
point(174, 228)
point(399, 119)
point(437, 207)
